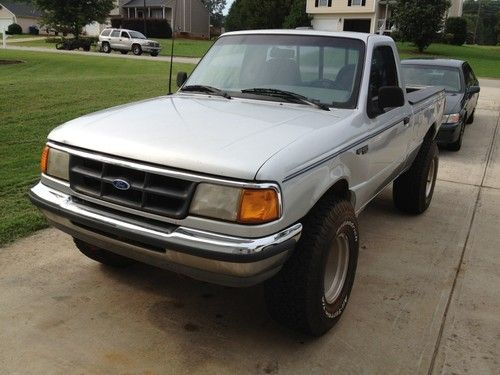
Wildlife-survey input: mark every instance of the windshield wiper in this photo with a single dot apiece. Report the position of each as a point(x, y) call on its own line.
point(287, 95)
point(207, 89)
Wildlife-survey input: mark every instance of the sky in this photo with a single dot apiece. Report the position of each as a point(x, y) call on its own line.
point(228, 5)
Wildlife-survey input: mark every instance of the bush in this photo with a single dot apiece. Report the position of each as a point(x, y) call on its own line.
point(54, 40)
point(155, 28)
point(396, 35)
point(456, 26)
point(33, 30)
point(14, 28)
point(448, 38)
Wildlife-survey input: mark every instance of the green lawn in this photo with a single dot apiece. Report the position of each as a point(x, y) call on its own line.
point(182, 47)
point(485, 60)
point(45, 91)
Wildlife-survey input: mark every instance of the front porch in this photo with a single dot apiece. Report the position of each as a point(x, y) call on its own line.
point(385, 22)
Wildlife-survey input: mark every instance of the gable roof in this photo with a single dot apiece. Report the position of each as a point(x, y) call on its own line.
point(21, 9)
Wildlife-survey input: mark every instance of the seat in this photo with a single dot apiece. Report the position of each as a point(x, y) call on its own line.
point(282, 68)
point(345, 77)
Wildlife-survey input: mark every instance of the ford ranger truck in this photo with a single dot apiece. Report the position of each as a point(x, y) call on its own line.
point(254, 171)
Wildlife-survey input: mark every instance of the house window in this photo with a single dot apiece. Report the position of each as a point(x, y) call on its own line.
point(140, 13)
point(323, 3)
point(356, 3)
point(156, 13)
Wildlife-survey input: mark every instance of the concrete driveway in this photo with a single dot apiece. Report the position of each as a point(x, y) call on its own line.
point(426, 299)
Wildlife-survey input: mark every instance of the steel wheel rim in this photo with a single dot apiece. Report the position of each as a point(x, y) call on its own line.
point(336, 268)
point(430, 178)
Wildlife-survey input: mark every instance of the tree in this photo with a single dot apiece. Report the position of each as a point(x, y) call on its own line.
point(215, 8)
point(420, 21)
point(257, 14)
point(456, 26)
point(73, 15)
point(298, 16)
point(482, 17)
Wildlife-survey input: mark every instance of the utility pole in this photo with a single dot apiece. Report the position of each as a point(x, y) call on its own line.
point(144, 17)
point(477, 21)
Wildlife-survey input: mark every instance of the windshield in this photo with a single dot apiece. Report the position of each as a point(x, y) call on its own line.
point(324, 70)
point(423, 76)
point(136, 35)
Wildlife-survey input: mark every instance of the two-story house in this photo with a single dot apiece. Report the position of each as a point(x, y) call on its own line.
point(370, 16)
point(191, 16)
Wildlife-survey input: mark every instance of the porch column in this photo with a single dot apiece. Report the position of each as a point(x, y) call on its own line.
point(163, 11)
point(128, 12)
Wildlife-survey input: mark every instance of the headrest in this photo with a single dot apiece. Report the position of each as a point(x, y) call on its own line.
point(282, 53)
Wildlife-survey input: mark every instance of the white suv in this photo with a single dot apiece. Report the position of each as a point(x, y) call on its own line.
point(127, 40)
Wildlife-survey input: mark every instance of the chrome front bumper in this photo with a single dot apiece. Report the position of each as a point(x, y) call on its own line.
point(221, 259)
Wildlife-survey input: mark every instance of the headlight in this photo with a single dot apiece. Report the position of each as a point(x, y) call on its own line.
point(246, 206)
point(451, 119)
point(55, 163)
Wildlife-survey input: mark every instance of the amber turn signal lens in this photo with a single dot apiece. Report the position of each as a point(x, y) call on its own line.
point(259, 206)
point(44, 159)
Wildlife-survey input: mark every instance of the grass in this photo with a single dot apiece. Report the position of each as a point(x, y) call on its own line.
point(45, 91)
point(182, 47)
point(485, 60)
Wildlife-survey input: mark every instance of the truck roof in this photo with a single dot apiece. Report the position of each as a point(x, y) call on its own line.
point(342, 34)
point(452, 63)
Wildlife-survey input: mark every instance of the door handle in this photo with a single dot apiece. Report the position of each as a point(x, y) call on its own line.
point(406, 121)
point(362, 151)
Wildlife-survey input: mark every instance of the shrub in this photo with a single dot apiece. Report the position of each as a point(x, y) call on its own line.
point(33, 30)
point(456, 26)
point(14, 28)
point(448, 38)
point(53, 40)
point(155, 28)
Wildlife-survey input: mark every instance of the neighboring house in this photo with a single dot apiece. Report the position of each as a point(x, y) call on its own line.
point(23, 14)
point(192, 17)
point(369, 16)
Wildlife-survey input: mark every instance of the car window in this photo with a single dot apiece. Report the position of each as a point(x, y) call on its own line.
point(470, 78)
point(125, 35)
point(419, 76)
point(115, 33)
point(383, 73)
point(106, 32)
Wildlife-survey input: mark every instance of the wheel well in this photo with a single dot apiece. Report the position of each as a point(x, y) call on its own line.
point(341, 189)
point(431, 132)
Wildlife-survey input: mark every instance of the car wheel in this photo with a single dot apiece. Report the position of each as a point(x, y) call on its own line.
point(136, 50)
point(413, 190)
point(470, 120)
point(154, 54)
point(311, 291)
point(457, 145)
point(106, 48)
point(123, 52)
point(102, 256)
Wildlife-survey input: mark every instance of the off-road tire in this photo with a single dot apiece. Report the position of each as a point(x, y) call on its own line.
point(106, 48)
point(136, 50)
point(102, 256)
point(295, 297)
point(457, 145)
point(470, 120)
point(410, 193)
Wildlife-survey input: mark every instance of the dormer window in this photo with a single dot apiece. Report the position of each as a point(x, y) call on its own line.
point(323, 3)
point(356, 3)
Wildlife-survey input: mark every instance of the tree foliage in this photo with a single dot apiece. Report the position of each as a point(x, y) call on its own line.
point(258, 14)
point(420, 21)
point(73, 15)
point(215, 8)
point(298, 16)
point(482, 19)
point(457, 27)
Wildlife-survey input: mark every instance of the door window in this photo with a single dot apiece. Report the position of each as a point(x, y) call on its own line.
point(383, 73)
point(106, 33)
point(125, 35)
point(115, 33)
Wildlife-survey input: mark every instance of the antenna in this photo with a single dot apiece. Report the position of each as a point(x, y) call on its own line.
point(174, 16)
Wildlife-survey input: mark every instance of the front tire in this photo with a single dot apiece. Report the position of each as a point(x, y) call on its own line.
point(311, 291)
point(102, 256)
point(136, 50)
point(106, 48)
point(457, 145)
point(470, 120)
point(413, 190)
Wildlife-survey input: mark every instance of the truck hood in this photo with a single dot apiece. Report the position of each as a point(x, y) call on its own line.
point(211, 135)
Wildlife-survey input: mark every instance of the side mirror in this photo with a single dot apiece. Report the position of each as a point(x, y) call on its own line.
point(181, 78)
point(391, 97)
point(474, 90)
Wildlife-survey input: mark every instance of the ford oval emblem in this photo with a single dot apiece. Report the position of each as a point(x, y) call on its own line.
point(121, 184)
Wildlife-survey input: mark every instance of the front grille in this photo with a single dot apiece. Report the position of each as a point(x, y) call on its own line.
point(149, 192)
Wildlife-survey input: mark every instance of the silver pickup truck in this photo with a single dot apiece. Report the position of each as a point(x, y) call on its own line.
point(254, 171)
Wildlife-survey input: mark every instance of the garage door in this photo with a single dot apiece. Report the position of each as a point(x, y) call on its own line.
point(361, 25)
point(4, 24)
